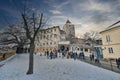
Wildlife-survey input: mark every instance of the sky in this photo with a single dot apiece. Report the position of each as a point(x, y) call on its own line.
point(86, 15)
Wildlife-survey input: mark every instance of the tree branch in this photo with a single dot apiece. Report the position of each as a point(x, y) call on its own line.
point(40, 24)
point(26, 27)
point(33, 15)
point(16, 38)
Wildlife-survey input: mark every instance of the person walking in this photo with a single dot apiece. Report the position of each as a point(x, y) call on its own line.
point(75, 55)
point(47, 53)
point(51, 55)
point(91, 56)
point(63, 54)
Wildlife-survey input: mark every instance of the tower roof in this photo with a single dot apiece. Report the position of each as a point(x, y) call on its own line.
point(68, 21)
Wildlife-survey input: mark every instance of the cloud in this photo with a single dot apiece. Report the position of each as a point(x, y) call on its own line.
point(55, 11)
point(95, 5)
point(61, 19)
point(57, 8)
point(86, 15)
point(57, 21)
point(98, 10)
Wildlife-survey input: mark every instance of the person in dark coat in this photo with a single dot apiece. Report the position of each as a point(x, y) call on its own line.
point(91, 56)
point(63, 54)
point(51, 55)
point(81, 55)
point(118, 62)
point(75, 55)
point(47, 53)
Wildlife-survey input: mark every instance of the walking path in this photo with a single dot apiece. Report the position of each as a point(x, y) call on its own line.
point(104, 64)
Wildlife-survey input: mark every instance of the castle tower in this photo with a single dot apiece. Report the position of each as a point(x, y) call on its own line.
point(69, 29)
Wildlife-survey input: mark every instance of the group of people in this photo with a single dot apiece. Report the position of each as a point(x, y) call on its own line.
point(70, 54)
point(94, 58)
point(76, 55)
point(51, 54)
point(73, 54)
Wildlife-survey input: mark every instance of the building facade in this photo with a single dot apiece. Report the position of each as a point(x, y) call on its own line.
point(49, 39)
point(111, 41)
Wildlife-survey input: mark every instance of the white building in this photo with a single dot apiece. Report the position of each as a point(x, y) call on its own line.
point(49, 39)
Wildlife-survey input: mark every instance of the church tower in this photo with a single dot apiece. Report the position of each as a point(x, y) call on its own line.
point(69, 29)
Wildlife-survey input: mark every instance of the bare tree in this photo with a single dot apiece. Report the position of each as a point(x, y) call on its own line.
point(32, 27)
point(27, 32)
point(16, 35)
point(91, 37)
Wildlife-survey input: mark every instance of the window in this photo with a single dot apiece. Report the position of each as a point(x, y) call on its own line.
point(55, 35)
point(110, 50)
point(55, 29)
point(47, 43)
point(40, 37)
point(86, 50)
point(43, 43)
point(70, 31)
point(44, 31)
point(50, 36)
point(51, 43)
point(44, 36)
point(108, 38)
point(47, 36)
point(40, 44)
point(81, 49)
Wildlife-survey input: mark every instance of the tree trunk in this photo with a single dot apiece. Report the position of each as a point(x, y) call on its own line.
point(31, 60)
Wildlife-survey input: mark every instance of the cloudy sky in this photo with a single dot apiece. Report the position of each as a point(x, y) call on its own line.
point(86, 15)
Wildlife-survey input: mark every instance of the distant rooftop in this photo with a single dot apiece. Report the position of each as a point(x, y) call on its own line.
point(117, 24)
point(62, 32)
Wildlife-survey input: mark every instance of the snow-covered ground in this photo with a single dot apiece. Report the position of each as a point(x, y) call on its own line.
point(56, 69)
